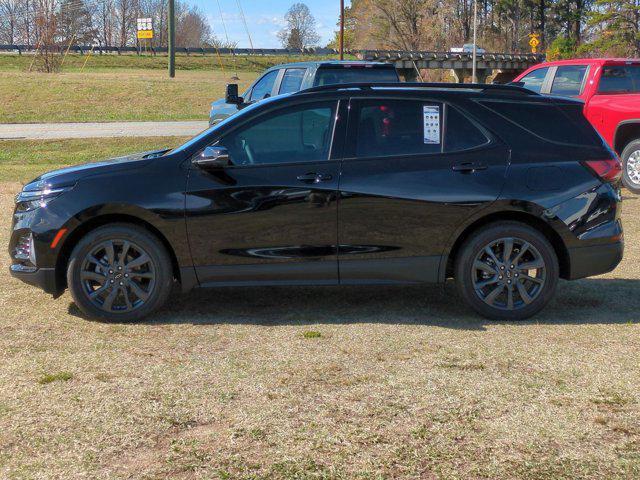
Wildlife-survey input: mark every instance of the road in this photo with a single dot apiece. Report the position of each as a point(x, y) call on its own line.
point(44, 131)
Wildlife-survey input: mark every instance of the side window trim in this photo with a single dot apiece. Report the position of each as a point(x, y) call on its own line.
point(548, 80)
point(335, 124)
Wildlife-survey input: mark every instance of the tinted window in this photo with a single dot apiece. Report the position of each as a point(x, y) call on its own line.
point(330, 76)
point(461, 133)
point(292, 80)
point(548, 121)
point(533, 81)
point(620, 79)
point(568, 80)
point(301, 134)
point(264, 86)
point(397, 127)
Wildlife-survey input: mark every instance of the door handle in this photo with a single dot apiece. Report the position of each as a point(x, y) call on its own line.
point(313, 177)
point(469, 167)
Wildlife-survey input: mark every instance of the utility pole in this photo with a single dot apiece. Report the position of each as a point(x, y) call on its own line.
point(341, 42)
point(474, 77)
point(172, 38)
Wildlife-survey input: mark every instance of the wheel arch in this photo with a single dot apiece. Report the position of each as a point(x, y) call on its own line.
point(512, 215)
point(98, 221)
point(626, 132)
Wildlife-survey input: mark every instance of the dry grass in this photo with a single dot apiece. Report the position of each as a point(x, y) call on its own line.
point(324, 383)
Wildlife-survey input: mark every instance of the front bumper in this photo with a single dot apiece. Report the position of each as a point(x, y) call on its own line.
point(44, 278)
point(594, 259)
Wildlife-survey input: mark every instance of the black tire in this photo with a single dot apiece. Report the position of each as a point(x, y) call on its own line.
point(631, 166)
point(529, 248)
point(143, 283)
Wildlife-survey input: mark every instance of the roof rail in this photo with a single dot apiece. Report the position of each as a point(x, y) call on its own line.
point(482, 87)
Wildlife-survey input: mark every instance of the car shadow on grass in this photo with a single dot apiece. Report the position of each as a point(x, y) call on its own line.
point(589, 301)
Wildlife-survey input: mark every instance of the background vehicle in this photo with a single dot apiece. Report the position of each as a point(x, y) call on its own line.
point(610, 89)
point(502, 189)
point(467, 48)
point(292, 77)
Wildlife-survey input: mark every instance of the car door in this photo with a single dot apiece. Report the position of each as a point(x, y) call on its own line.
point(270, 215)
point(414, 171)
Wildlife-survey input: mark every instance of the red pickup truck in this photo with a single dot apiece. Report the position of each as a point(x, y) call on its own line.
point(610, 89)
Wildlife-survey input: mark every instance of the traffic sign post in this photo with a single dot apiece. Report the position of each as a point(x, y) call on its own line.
point(145, 30)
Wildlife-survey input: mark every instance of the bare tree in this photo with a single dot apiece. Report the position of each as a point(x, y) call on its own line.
point(300, 31)
point(9, 20)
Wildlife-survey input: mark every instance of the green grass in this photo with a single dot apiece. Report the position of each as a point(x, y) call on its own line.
point(55, 377)
point(311, 334)
point(111, 95)
point(122, 87)
point(23, 160)
point(74, 62)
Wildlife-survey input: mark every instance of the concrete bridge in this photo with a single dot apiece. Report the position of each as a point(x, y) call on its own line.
point(505, 66)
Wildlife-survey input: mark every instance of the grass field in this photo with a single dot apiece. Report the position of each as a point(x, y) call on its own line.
point(111, 95)
point(326, 383)
point(22, 160)
point(121, 88)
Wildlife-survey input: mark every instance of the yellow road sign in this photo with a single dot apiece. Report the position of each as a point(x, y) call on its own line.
point(534, 42)
point(145, 33)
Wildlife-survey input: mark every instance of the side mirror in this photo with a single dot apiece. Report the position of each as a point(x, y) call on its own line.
point(213, 157)
point(231, 95)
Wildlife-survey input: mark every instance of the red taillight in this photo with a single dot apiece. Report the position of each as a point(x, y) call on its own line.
point(608, 170)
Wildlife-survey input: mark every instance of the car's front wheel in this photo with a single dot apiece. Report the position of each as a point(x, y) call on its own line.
point(631, 166)
point(119, 272)
point(507, 271)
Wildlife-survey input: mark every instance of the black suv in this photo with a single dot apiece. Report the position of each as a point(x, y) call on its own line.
point(498, 187)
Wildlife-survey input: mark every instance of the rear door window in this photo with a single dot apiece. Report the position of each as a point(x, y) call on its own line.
point(389, 127)
point(534, 80)
point(292, 80)
point(568, 80)
point(264, 86)
point(461, 133)
point(620, 79)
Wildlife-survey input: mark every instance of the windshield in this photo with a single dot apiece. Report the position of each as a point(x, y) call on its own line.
point(331, 76)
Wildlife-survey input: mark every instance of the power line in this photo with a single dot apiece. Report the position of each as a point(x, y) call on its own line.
point(244, 20)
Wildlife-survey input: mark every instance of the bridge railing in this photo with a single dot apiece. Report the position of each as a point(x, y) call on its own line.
point(381, 55)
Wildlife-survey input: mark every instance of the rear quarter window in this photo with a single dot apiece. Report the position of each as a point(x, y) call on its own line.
point(563, 124)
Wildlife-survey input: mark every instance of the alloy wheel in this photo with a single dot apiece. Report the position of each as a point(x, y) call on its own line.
point(508, 273)
point(117, 276)
point(633, 167)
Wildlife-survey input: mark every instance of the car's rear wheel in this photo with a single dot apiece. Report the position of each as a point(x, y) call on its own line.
point(631, 166)
point(119, 272)
point(507, 271)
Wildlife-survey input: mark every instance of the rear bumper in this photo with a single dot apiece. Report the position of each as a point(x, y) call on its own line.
point(44, 278)
point(594, 259)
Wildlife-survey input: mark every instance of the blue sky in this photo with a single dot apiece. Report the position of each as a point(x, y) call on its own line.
point(265, 18)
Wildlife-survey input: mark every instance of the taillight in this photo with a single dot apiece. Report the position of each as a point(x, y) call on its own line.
point(609, 170)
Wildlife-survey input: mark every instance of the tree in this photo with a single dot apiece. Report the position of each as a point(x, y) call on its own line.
point(300, 31)
point(75, 23)
point(618, 25)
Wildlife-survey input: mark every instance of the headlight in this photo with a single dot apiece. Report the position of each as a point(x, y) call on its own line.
point(38, 195)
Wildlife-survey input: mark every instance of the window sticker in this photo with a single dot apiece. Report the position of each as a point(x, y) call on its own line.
point(431, 120)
